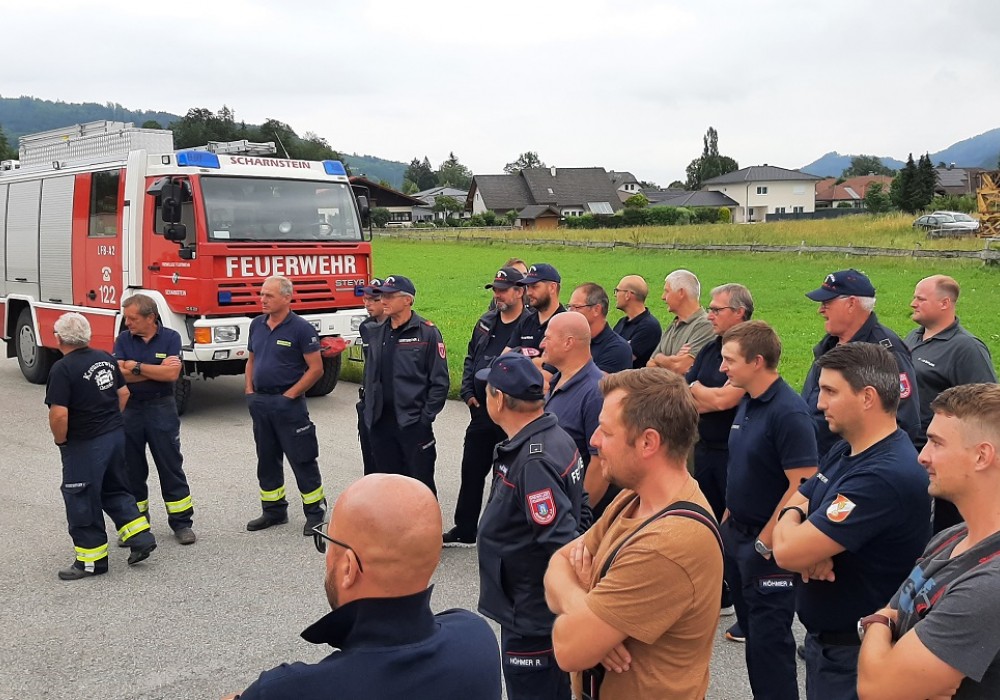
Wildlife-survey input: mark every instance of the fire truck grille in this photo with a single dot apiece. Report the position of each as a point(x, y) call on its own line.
point(308, 293)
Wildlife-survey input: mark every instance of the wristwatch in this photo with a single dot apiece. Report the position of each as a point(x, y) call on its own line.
point(876, 618)
point(762, 549)
point(137, 370)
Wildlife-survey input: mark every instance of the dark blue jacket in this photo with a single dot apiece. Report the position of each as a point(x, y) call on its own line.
point(475, 358)
point(534, 509)
point(391, 648)
point(908, 414)
point(420, 373)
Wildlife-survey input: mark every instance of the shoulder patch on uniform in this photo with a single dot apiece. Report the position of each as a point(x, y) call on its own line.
point(542, 506)
point(535, 448)
point(904, 386)
point(428, 323)
point(840, 509)
point(441, 351)
point(886, 343)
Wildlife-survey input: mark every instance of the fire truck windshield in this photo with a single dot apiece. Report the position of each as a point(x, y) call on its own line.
point(257, 209)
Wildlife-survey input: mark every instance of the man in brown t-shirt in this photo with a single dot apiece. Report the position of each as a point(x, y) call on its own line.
point(651, 619)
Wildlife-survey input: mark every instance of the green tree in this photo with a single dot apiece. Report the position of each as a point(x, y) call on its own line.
point(151, 124)
point(866, 165)
point(447, 205)
point(648, 185)
point(905, 189)
point(421, 174)
point(678, 185)
point(380, 217)
point(409, 187)
point(6, 151)
point(453, 174)
point(637, 201)
point(926, 179)
point(528, 159)
point(876, 200)
point(710, 164)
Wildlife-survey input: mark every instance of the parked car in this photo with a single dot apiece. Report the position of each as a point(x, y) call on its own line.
point(947, 221)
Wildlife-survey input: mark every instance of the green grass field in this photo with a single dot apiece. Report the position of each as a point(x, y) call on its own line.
point(449, 277)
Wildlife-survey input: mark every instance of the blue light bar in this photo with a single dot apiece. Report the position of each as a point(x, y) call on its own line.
point(225, 297)
point(198, 159)
point(334, 167)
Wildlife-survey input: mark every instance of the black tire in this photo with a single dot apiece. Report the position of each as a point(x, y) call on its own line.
point(34, 360)
point(182, 394)
point(331, 373)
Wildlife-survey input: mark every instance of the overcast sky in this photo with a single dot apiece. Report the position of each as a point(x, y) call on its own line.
point(584, 83)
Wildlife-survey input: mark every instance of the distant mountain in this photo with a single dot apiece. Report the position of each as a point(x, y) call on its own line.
point(980, 151)
point(376, 169)
point(833, 164)
point(29, 115)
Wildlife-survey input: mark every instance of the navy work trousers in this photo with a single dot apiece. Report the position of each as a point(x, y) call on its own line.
point(530, 671)
point(831, 670)
point(154, 422)
point(710, 471)
point(364, 437)
point(93, 480)
point(409, 451)
point(764, 598)
point(481, 438)
point(282, 428)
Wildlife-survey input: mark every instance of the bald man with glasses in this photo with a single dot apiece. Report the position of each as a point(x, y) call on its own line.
point(638, 326)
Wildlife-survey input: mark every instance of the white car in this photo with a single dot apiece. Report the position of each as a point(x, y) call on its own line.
point(947, 221)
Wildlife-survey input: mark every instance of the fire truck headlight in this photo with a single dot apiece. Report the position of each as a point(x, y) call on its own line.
point(225, 334)
point(356, 323)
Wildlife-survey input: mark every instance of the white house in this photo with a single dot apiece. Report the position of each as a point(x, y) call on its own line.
point(765, 189)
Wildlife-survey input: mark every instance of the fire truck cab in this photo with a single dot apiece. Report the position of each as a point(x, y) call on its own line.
point(93, 213)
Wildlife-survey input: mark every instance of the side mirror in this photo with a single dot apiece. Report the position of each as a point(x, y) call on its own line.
point(171, 196)
point(366, 212)
point(175, 232)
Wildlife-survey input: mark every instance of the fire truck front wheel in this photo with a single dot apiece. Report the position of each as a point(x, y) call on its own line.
point(326, 383)
point(182, 394)
point(34, 360)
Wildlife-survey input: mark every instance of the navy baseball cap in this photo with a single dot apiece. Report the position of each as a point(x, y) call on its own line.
point(395, 283)
point(514, 375)
point(846, 283)
point(539, 273)
point(369, 290)
point(505, 278)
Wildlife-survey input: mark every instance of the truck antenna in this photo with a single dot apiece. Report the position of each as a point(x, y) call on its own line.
point(282, 146)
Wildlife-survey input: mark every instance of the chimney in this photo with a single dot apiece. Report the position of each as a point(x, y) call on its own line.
point(553, 170)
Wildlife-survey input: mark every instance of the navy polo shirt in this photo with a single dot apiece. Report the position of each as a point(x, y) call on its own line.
point(643, 335)
point(278, 360)
point(86, 382)
point(713, 427)
point(528, 333)
point(577, 404)
point(874, 504)
point(770, 433)
point(610, 351)
point(165, 343)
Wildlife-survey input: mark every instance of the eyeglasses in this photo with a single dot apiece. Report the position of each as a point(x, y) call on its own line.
point(718, 309)
point(623, 291)
point(824, 304)
point(320, 538)
point(574, 307)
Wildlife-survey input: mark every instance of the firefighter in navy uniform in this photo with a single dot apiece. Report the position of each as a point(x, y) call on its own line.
point(534, 508)
point(489, 337)
point(406, 385)
point(284, 362)
point(85, 395)
point(376, 317)
point(149, 356)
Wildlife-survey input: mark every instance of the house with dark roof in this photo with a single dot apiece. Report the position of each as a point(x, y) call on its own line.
point(956, 181)
point(760, 190)
point(568, 191)
point(626, 184)
point(400, 206)
point(701, 198)
point(830, 194)
point(430, 197)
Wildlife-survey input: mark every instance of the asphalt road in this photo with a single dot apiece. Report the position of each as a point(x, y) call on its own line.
point(204, 620)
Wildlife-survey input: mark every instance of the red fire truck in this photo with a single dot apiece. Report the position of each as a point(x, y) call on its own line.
point(93, 213)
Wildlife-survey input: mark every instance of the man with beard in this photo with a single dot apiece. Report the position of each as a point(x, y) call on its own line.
point(379, 562)
point(541, 286)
